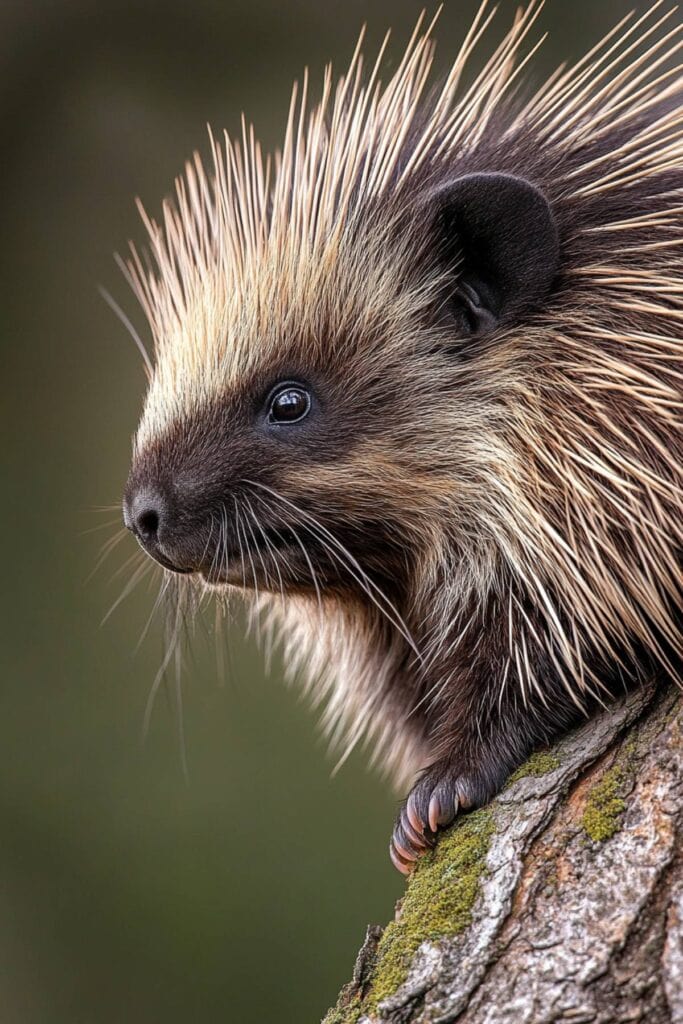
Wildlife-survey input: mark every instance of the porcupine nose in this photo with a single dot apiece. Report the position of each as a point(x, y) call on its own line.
point(146, 514)
point(150, 514)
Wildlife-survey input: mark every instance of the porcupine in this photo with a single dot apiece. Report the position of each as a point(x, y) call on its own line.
point(416, 392)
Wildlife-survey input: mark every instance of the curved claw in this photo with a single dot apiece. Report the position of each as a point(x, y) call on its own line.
point(402, 849)
point(403, 866)
point(442, 810)
point(413, 815)
point(434, 812)
point(416, 839)
point(407, 846)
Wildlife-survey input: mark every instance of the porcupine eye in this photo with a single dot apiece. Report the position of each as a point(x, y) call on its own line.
point(289, 403)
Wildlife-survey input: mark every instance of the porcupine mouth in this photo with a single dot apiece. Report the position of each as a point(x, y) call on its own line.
point(162, 560)
point(167, 564)
point(233, 562)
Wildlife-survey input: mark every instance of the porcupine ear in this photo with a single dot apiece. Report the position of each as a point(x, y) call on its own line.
point(500, 234)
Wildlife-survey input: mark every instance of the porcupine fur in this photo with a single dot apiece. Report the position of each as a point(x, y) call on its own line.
point(474, 535)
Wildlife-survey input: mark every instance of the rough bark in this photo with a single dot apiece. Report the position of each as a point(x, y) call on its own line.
point(561, 902)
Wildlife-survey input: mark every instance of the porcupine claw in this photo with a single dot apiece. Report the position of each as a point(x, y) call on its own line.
point(433, 804)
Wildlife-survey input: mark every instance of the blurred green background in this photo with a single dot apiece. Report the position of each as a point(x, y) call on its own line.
point(127, 894)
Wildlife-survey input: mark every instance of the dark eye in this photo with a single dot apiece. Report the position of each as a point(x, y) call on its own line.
point(289, 403)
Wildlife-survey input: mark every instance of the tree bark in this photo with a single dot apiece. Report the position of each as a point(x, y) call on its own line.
point(560, 902)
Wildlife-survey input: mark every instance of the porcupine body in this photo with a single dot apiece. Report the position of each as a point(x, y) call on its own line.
point(416, 391)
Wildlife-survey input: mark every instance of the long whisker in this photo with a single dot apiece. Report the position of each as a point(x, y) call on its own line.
point(208, 541)
point(269, 544)
point(161, 671)
point(344, 556)
point(221, 563)
point(105, 508)
point(239, 545)
point(255, 607)
point(163, 590)
point(257, 548)
point(139, 574)
point(314, 578)
point(218, 555)
point(269, 643)
point(135, 557)
point(309, 563)
point(105, 552)
point(180, 713)
point(102, 526)
point(218, 549)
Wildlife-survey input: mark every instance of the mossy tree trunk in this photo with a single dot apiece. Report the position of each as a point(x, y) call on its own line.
point(561, 902)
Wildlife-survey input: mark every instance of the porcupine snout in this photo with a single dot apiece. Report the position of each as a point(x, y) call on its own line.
point(165, 522)
point(149, 513)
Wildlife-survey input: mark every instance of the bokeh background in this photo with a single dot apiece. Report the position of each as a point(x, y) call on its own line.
point(126, 892)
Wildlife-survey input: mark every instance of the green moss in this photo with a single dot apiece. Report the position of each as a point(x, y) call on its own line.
point(540, 763)
point(348, 1014)
point(629, 749)
point(438, 900)
point(605, 805)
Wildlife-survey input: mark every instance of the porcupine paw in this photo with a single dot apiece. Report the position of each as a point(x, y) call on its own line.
point(434, 802)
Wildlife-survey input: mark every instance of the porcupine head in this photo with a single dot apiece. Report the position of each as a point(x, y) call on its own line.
point(414, 393)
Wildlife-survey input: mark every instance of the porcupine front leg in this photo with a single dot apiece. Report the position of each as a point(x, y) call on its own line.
point(480, 743)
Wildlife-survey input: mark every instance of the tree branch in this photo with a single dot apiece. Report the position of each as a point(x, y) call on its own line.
point(560, 902)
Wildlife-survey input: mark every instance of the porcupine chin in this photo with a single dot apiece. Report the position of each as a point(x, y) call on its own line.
point(416, 391)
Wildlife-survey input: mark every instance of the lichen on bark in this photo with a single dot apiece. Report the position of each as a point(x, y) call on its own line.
point(540, 762)
point(605, 806)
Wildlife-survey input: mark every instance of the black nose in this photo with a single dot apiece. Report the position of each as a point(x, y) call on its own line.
point(146, 514)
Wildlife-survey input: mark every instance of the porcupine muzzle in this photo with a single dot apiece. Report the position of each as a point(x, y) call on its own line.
point(150, 513)
point(181, 514)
